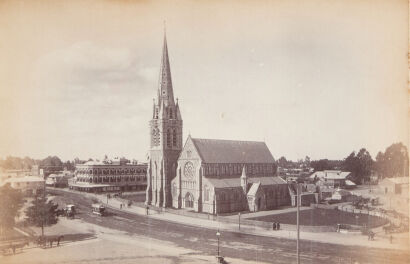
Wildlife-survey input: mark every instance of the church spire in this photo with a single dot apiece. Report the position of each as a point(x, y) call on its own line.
point(165, 91)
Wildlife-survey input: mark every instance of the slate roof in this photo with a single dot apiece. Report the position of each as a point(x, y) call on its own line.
point(236, 182)
point(330, 174)
point(254, 188)
point(232, 151)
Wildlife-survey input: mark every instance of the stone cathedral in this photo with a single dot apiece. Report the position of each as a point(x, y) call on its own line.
point(166, 139)
point(206, 175)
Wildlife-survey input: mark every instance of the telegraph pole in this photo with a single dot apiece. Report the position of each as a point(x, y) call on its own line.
point(297, 221)
point(43, 209)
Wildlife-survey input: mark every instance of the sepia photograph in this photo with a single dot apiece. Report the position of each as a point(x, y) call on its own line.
point(240, 132)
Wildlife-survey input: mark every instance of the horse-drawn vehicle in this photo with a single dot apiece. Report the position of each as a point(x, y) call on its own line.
point(98, 209)
point(42, 241)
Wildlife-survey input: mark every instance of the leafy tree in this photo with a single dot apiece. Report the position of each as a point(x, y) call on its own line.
point(16, 163)
point(69, 165)
point(393, 162)
point(42, 213)
point(51, 161)
point(319, 165)
point(11, 201)
point(307, 161)
point(282, 162)
point(359, 164)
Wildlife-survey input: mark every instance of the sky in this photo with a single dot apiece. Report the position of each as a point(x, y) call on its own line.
point(318, 78)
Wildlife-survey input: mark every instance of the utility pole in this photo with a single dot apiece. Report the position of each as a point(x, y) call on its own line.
point(43, 209)
point(297, 221)
point(239, 215)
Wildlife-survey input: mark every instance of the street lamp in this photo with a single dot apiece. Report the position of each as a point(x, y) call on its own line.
point(217, 235)
point(239, 215)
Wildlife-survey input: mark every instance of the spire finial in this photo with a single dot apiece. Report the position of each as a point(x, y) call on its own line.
point(165, 28)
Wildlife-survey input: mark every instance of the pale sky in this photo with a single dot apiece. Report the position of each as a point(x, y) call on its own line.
point(319, 78)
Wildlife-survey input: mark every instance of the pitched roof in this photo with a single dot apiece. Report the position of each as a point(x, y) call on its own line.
point(254, 188)
point(236, 182)
point(330, 174)
point(232, 151)
point(400, 180)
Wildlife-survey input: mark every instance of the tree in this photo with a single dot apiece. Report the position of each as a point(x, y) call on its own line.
point(307, 162)
point(42, 213)
point(282, 162)
point(69, 165)
point(359, 164)
point(393, 162)
point(51, 161)
point(11, 201)
point(320, 165)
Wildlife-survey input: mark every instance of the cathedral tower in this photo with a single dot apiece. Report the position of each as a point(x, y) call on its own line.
point(166, 139)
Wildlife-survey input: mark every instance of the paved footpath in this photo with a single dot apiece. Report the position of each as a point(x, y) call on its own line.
point(401, 241)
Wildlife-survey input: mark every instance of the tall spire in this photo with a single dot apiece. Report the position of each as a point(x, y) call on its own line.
point(165, 91)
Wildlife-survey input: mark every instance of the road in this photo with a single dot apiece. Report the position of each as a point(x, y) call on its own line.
point(234, 245)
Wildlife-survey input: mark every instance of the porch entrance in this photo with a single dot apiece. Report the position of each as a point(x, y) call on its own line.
point(189, 200)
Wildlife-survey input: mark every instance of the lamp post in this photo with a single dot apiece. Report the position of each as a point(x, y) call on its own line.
point(217, 235)
point(298, 198)
point(239, 215)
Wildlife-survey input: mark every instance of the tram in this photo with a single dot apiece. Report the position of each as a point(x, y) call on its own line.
point(98, 209)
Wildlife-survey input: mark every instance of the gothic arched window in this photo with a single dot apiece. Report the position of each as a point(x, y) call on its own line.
point(170, 114)
point(174, 138)
point(169, 138)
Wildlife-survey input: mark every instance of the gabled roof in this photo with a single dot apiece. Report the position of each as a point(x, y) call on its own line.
point(232, 151)
point(400, 180)
point(254, 188)
point(236, 182)
point(330, 174)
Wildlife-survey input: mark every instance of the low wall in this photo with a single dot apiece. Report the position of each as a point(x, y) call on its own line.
point(269, 225)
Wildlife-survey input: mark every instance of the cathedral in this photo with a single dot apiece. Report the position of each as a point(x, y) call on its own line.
point(206, 175)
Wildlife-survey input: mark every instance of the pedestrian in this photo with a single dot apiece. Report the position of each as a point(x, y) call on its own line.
point(277, 226)
point(121, 206)
point(391, 239)
point(274, 226)
point(147, 209)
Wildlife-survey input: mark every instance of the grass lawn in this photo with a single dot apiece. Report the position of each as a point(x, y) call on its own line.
point(323, 217)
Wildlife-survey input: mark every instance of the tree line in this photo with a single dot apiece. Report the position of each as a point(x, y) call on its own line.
point(26, 163)
point(393, 162)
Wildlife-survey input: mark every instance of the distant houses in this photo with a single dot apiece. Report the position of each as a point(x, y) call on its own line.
point(28, 185)
point(59, 179)
point(333, 178)
point(396, 185)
